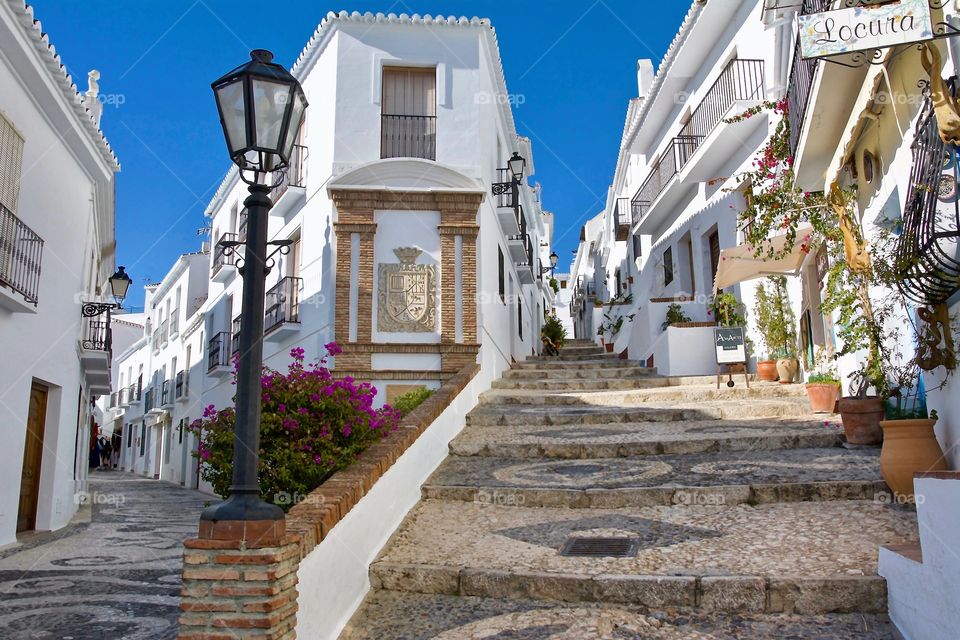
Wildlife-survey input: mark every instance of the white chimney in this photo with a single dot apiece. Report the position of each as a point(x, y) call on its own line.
point(644, 76)
point(91, 97)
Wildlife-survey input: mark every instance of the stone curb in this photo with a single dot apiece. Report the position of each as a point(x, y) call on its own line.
point(728, 594)
point(722, 495)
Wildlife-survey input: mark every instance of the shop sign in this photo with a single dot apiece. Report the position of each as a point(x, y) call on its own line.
point(731, 345)
point(863, 28)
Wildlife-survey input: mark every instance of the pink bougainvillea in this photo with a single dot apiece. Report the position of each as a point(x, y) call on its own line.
point(311, 425)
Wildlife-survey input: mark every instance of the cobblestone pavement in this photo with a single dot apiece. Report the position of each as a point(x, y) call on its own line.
point(117, 576)
point(738, 513)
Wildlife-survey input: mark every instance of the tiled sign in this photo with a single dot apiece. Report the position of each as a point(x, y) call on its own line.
point(864, 27)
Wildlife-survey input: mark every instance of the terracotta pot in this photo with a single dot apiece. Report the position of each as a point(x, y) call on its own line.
point(767, 370)
point(861, 419)
point(823, 396)
point(908, 446)
point(609, 347)
point(787, 369)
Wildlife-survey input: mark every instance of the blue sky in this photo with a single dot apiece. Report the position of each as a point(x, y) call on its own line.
point(574, 63)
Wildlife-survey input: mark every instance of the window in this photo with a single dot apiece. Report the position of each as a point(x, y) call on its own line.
point(637, 247)
point(143, 437)
point(668, 266)
point(502, 269)
point(408, 122)
point(129, 435)
point(519, 317)
point(714, 254)
point(563, 284)
point(11, 163)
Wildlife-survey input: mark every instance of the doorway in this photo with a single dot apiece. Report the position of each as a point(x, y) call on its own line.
point(32, 459)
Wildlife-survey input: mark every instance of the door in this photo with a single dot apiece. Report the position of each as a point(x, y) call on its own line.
point(32, 459)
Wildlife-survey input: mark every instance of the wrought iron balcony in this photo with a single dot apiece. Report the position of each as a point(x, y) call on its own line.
point(218, 351)
point(408, 136)
point(282, 304)
point(221, 256)
point(149, 399)
point(928, 248)
point(164, 332)
point(134, 393)
point(174, 323)
point(242, 219)
point(21, 251)
point(800, 83)
point(739, 81)
point(622, 219)
point(295, 175)
point(669, 164)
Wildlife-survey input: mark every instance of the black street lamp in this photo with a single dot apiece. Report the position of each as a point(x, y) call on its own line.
point(554, 259)
point(261, 109)
point(515, 167)
point(119, 284)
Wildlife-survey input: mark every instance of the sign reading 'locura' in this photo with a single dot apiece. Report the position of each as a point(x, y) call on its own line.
point(864, 27)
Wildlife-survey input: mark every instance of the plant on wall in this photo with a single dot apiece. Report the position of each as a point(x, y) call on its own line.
point(312, 425)
point(675, 315)
point(776, 322)
point(727, 310)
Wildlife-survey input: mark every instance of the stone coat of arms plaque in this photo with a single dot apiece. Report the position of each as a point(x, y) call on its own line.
point(407, 294)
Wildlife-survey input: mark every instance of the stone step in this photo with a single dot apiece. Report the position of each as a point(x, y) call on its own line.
point(393, 615)
point(578, 373)
point(618, 440)
point(652, 394)
point(800, 557)
point(724, 478)
point(563, 385)
point(577, 349)
point(576, 356)
point(576, 414)
point(554, 364)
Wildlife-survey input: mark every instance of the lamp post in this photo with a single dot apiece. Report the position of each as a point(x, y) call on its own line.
point(515, 166)
point(261, 108)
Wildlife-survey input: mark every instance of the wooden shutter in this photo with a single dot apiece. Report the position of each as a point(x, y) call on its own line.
point(11, 163)
point(409, 92)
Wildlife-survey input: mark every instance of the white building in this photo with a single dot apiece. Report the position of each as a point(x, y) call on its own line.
point(409, 127)
point(56, 251)
point(673, 206)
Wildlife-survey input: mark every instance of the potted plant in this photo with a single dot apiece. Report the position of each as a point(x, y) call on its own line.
point(823, 386)
point(611, 328)
point(555, 285)
point(553, 335)
point(777, 327)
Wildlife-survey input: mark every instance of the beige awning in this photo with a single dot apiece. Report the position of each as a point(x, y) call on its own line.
point(740, 263)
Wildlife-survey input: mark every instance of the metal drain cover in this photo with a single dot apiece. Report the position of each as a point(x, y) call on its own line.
point(601, 547)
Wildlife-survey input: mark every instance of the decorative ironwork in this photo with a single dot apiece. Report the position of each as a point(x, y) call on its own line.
point(223, 254)
point(928, 249)
point(294, 175)
point(741, 79)
point(669, 164)
point(97, 335)
point(21, 251)
point(94, 309)
point(622, 219)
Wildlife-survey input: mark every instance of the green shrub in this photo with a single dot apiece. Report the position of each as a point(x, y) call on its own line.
point(554, 331)
point(675, 315)
point(411, 400)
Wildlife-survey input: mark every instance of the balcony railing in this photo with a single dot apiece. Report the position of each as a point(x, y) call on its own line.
point(164, 332)
point(408, 136)
point(180, 386)
point(242, 225)
point(166, 394)
point(283, 303)
point(740, 80)
point(801, 79)
point(235, 337)
point(21, 250)
point(220, 256)
point(174, 322)
point(670, 162)
point(508, 197)
point(114, 399)
point(134, 392)
point(295, 175)
point(149, 399)
point(218, 351)
point(622, 219)
point(928, 247)
point(96, 334)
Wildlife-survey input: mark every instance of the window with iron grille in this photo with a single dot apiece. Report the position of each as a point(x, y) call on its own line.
point(11, 164)
point(408, 122)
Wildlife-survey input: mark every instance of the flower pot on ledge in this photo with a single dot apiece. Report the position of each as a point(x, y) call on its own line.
point(861, 419)
point(908, 446)
point(823, 396)
point(609, 347)
point(767, 370)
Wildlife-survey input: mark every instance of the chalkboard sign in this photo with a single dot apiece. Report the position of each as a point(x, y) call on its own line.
point(730, 345)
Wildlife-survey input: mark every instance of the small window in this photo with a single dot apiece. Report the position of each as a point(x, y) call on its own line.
point(563, 284)
point(637, 247)
point(143, 438)
point(668, 266)
point(501, 270)
point(408, 122)
point(520, 317)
